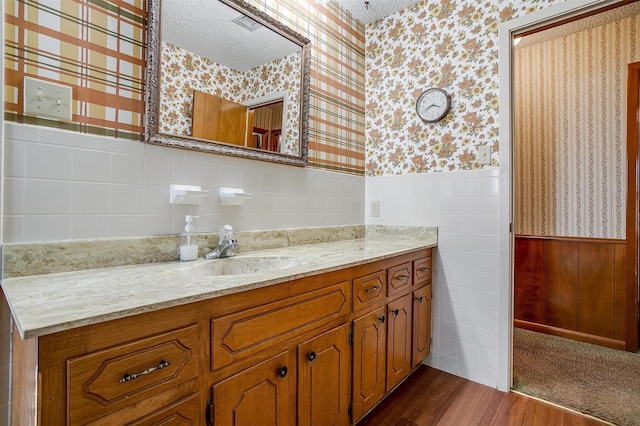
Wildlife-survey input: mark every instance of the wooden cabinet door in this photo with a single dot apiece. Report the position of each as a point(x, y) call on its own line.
point(324, 379)
point(260, 395)
point(398, 340)
point(421, 324)
point(369, 346)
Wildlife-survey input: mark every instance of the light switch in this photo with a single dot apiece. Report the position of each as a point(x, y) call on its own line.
point(46, 99)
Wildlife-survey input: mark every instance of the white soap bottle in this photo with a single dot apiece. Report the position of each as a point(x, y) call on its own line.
point(189, 241)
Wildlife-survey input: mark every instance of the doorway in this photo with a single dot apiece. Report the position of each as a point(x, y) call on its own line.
point(532, 23)
point(633, 204)
point(628, 333)
point(570, 179)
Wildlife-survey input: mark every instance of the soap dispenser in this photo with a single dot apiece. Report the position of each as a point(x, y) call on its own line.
point(189, 241)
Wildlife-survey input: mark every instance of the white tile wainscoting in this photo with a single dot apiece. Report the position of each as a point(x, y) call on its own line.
point(465, 207)
point(61, 185)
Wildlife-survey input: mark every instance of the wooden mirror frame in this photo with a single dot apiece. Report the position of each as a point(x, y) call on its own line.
point(152, 94)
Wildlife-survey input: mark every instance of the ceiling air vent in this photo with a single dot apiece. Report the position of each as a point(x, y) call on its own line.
point(247, 23)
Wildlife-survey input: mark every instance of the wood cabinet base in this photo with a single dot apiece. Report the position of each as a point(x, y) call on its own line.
point(302, 352)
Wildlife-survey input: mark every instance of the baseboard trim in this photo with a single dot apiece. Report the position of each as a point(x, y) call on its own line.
point(570, 334)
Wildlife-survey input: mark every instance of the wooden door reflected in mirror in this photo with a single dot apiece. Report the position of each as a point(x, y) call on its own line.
point(258, 126)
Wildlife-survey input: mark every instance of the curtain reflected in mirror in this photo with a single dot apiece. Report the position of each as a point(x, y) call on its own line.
point(265, 126)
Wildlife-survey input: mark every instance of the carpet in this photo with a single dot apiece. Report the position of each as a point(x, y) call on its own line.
point(591, 379)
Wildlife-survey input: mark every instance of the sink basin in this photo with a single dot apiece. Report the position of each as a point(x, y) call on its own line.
point(248, 265)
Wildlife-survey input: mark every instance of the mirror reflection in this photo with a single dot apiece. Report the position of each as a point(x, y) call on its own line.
point(228, 81)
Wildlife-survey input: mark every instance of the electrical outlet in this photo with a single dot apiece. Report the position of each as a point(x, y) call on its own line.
point(484, 154)
point(375, 209)
point(46, 99)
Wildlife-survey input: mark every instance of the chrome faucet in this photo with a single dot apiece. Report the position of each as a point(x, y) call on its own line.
point(226, 244)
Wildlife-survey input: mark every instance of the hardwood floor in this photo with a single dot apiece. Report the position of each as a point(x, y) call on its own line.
point(431, 397)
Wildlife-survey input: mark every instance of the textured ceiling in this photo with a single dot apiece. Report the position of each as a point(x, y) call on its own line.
point(187, 24)
point(374, 10)
point(205, 28)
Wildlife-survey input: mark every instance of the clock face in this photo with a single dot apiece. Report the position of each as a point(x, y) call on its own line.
point(433, 104)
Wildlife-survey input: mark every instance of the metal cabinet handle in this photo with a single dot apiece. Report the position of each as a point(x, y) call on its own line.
point(311, 356)
point(128, 377)
point(282, 371)
point(396, 312)
point(419, 299)
point(372, 289)
point(381, 319)
point(402, 277)
point(425, 269)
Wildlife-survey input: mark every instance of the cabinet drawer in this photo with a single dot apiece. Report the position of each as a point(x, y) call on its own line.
point(247, 332)
point(422, 271)
point(369, 289)
point(185, 412)
point(105, 381)
point(400, 278)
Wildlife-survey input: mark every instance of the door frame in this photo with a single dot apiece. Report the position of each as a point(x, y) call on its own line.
point(633, 204)
point(550, 16)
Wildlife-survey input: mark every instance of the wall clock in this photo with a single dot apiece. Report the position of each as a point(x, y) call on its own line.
point(433, 104)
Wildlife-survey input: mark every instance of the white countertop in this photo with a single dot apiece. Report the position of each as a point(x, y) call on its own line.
point(45, 304)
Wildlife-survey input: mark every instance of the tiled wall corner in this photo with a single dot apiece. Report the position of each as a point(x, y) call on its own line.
point(465, 208)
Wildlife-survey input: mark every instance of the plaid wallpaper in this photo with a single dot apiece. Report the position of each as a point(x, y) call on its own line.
point(98, 48)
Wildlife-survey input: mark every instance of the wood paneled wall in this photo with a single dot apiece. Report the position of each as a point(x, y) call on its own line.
point(571, 287)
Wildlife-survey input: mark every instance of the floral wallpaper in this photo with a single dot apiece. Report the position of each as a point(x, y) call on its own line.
point(183, 72)
point(452, 44)
point(267, 79)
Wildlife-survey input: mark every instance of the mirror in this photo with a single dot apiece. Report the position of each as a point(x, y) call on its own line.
point(225, 77)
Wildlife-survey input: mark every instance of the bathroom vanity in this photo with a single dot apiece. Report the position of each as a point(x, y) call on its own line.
point(318, 334)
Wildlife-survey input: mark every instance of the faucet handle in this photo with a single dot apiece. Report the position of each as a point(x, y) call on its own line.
point(225, 233)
